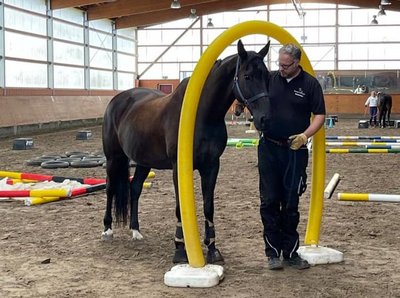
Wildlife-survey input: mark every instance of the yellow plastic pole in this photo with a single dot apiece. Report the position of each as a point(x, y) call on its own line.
point(8, 174)
point(186, 134)
point(38, 200)
point(63, 193)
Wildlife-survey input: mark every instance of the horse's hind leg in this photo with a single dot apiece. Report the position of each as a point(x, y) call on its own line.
point(180, 255)
point(136, 187)
point(208, 181)
point(384, 112)
point(108, 233)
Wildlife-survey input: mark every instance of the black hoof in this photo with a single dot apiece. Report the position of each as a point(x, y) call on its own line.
point(180, 256)
point(215, 257)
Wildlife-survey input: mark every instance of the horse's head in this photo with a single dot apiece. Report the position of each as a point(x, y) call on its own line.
point(251, 84)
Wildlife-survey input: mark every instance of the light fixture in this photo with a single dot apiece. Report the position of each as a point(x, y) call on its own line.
point(374, 21)
point(385, 2)
point(175, 4)
point(381, 11)
point(210, 23)
point(192, 13)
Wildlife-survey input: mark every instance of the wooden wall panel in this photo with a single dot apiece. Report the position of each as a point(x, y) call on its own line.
point(25, 110)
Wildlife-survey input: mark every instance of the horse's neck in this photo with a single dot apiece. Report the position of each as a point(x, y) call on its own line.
point(217, 95)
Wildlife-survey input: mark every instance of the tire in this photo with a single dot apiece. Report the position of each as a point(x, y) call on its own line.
point(54, 156)
point(99, 160)
point(84, 164)
point(82, 155)
point(69, 159)
point(54, 164)
point(37, 161)
point(69, 153)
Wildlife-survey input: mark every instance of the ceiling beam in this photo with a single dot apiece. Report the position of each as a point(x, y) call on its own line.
point(161, 16)
point(126, 7)
point(58, 4)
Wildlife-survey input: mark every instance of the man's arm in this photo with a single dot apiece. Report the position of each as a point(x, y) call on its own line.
point(297, 141)
point(316, 124)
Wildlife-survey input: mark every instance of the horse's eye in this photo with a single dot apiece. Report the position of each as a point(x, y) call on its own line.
point(246, 77)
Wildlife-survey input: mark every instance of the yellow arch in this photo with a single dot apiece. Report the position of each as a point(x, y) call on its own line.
point(186, 135)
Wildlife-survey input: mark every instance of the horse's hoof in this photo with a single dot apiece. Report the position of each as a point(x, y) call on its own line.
point(180, 256)
point(136, 235)
point(215, 257)
point(107, 235)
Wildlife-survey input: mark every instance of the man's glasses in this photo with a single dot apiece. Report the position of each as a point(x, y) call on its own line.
point(284, 66)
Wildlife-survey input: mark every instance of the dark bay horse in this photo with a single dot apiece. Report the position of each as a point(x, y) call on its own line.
point(142, 125)
point(385, 108)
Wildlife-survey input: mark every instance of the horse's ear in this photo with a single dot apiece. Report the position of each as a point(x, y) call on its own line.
point(241, 51)
point(264, 51)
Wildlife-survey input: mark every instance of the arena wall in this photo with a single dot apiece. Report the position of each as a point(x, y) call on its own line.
point(25, 114)
point(40, 110)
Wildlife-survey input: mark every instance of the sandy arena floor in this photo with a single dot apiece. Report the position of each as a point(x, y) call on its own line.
point(68, 232)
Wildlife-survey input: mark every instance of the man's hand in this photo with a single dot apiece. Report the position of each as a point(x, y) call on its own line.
point(296, 141)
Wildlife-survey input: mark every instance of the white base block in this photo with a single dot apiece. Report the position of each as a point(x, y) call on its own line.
point(320, 255)
point(184, 276)
point(251, 131)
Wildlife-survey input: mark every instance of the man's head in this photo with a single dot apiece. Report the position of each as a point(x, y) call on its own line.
point(288, 61)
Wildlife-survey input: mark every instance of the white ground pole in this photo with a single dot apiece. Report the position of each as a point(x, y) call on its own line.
point(331, 186)
point(370, 197)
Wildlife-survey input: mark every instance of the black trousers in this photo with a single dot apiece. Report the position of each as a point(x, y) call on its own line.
point(282, 173)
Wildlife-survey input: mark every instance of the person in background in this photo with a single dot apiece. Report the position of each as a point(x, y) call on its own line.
point(283, 156)
point(372, 103)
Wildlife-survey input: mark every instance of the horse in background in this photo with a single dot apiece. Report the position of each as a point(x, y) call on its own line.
point(238, 108)
point(385, 108)
point(142, 125)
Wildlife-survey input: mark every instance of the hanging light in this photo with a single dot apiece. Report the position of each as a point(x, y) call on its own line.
point(175, 4)
point(385, 2)
point(374, 21)
point(381, 11)
point(210, 23)
point(192, 13)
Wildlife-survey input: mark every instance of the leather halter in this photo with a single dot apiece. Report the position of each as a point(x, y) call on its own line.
point(246, 101)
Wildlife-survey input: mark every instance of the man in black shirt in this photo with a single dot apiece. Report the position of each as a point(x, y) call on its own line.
point(283, 155)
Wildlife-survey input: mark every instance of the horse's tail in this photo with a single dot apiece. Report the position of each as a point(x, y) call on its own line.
point(117, 164)
point(118, 186)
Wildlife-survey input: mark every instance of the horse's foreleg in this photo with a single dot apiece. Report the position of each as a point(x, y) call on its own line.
point(180, 255)
point(209, 176)
point(136, 187)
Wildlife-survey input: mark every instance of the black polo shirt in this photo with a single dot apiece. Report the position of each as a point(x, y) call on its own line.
point(292, 104)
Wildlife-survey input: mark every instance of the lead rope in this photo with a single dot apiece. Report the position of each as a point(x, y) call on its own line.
point(292, 162)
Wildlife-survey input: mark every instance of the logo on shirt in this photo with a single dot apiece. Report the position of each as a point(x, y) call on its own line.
point(299, 93)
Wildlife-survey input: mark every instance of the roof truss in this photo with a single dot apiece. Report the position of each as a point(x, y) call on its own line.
point(130, 13)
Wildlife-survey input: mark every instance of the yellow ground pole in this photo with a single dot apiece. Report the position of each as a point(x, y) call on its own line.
point(186, 134)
